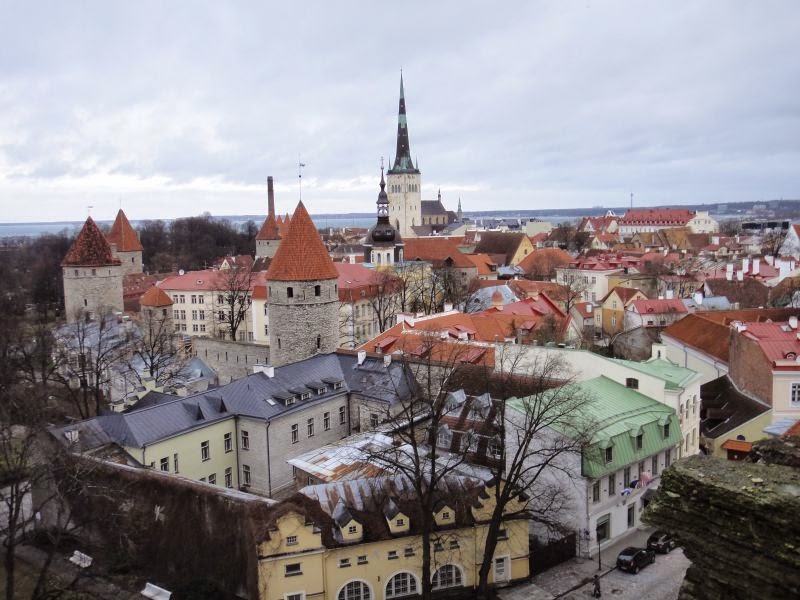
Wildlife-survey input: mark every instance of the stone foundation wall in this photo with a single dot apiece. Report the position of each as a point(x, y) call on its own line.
point(230, 360)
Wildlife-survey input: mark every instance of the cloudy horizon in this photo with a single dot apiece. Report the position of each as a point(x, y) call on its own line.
point(178, 110)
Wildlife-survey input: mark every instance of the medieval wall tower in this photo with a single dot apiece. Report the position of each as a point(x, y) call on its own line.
point(269, 237)
point(92, 275)
point(303, 295)
point(125, 244)
point(404, 181)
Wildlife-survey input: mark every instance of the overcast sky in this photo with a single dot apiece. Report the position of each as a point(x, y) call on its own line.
point(176, 108)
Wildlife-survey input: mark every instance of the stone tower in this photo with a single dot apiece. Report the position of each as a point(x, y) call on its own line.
point(303, 295)
point(155, 314)
point(92, 275)
point(269, 237)
point(125, 244)
point(383, 245)
point(404, 179)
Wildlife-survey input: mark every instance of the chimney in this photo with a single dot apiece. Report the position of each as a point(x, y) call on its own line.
point(270, 197)
point(740, 275)
point(745, 264)
point(670, 294)
point(715, 240)
point(793, 322)
point(387, 360)
point(589, 308)
point(448, 306)
point(756, 265)
point(362, 356)
point(698, 298)
point(267, 370)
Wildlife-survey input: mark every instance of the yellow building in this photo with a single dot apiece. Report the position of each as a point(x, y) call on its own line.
point(612, 309)
point(359, 540)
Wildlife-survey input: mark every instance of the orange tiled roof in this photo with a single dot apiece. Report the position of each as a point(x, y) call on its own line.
point(657, 216)
point(155, 296)
point(90, 249)
point(123, 235)
point(544, 260)
point(436, 250)
point(302, 255)
point(625, 294)
point(260, 292)
point(737, 445)
point(269, 229)
point(483, 262)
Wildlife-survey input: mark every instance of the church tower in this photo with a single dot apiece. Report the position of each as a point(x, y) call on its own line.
point(303, 295)
point(125, 244)
point(92, 275)
point(269, 237)
point(383, 246)
point(404, 179)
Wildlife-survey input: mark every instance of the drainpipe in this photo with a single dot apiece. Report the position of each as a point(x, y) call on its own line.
point(236, 445)
point(269, 469)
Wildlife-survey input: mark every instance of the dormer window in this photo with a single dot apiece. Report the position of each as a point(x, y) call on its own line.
point(666, 430)
point(609, 454)
point(352, 530)
point(337, 385)
point(321, 390)
point(639, 441)
point(400, 522)
point(445, 515)
point(632, 383)
point(305, 395)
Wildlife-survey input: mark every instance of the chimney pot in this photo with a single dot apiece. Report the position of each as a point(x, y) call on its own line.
point(362, 356)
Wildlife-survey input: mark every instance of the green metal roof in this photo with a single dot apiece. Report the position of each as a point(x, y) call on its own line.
point(621, 414)
point(675, 377)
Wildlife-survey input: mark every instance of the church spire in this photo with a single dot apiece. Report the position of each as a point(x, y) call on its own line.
point(402, 158)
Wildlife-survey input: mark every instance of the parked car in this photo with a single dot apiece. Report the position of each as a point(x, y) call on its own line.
point(662, 542)
point(632, 559)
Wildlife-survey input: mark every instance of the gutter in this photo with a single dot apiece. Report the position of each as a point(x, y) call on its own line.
point(269, 468)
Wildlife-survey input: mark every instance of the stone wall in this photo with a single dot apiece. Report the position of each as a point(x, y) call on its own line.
point(230, 360)
point(131, 261)
point(737, 522)
point(91, 289)
point(304, 324)
point(749, 368)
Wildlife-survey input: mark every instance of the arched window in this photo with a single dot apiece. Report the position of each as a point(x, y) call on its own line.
point(447, 576)
point(355, 590)
point(317, 290)
point(290, 292)
point(402, 584)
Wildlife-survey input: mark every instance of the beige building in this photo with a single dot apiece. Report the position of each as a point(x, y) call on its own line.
point(611, 316)
point(359, 540)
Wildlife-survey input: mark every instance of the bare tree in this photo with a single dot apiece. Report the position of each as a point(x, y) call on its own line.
point(383, 294)
point(233, 298)
point(571, 290)
point(156, 353)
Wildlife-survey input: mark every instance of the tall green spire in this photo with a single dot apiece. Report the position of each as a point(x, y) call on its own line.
point(402, 158)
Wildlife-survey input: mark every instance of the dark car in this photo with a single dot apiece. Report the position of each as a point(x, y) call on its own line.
point(632, 559)
point(662, 542)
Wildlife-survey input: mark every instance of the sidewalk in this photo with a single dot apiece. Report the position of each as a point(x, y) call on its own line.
point(572, 574)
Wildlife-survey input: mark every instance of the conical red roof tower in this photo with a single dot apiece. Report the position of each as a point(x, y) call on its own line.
point(90, 248)
point(301, 256)
point(123, 235)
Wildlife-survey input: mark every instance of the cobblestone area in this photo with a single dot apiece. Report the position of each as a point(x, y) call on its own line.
point(572, 579)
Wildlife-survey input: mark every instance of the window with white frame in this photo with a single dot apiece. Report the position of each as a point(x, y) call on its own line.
point(447, 576)
point(227, 442)
point(402, 584)
point(294, 433)
point(228, 477)
point(355, 590)
point(310, 427)
point(205, 451)
point(342, 414)
point(795, 397)
point(291, 540)
point(246, 474)
point(501, 569)
point(245, 440)
point(326, 421)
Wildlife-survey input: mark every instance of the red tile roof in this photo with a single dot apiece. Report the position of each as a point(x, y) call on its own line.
point(737, 446)
point(155, 296)
point(436, 250)
point(660, 306)
point(794, 429)
point(584, 309)
point(657, 216)
point(269, 229)
point(544, 261)
point(90, 249)
point(123, 235)
point(260, 292)
point(483, 262)
point(302, 255)
point(208, 280)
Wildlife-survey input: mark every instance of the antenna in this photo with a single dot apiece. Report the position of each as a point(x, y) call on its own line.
point(300, 166)
point(631, 199)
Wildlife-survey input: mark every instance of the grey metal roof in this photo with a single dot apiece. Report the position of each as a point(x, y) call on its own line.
point(161, 416)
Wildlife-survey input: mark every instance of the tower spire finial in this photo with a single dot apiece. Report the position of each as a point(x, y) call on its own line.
point(402, 158)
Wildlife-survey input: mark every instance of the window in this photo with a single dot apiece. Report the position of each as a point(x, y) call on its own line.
point(445, 515)
point(294, 433)
point(305, 395)
point(447, 576)
point(392, 554)
point(639, 441)
point(220, 299)
point(373, 420)
point(603, 529)
point(293, 569)
point(352, 530)
point(654, 467)
point(290, 292)
point(202, 328)
point(632, 382)
point(402, 584)
point(400, 522)
point(195, 329)
point(342, 414)
point(194, 315)
point(326, 421)
point(667, 458)
point(501, 569)
point(165, 463)
point(362, 560)
point(609, 454)
point(246, 474)
point(205, 452)
point(666, 430)
point(194, 299)
point(175, 462)
point(245, 440)
point(641, 469)
point(408, 552)
point(228, 477)
point(632, 516)
point(317, 290)
point(355, 590)
point(612, 484)
point(296, 596)
point(596, 492)
point(212, 479)
point(202, 315)
point(226, 440)
point(454, 545)
point(183, 314)
point(310, 427)
point(626, 477)
point(344, 562)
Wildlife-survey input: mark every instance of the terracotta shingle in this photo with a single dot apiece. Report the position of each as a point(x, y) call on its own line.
point(302, 255)
point(155, 296)
point(269, 230)
point(123, 235)
point(90, 249)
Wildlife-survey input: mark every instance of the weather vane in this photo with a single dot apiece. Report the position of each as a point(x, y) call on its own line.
point(300, 166)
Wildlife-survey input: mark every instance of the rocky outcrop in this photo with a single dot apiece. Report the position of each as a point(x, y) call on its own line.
point(738, 524)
